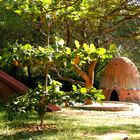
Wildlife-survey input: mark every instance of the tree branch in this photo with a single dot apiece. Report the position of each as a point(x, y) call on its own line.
point(91, 70)
point(116, 25)
point(67, 79)
point(72, 81)
point(81, 73)
point(58, 8)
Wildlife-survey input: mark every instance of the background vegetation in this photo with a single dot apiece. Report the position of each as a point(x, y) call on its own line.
point(43, 40)
point(101, 22)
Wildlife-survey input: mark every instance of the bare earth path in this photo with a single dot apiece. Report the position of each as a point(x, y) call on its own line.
point(124, 115)
point(132, 113)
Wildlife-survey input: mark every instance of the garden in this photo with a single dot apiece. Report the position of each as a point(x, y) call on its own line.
point(74, 124)
point(61, 58)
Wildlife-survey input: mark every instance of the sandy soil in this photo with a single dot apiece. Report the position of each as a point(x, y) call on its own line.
point(131, 113)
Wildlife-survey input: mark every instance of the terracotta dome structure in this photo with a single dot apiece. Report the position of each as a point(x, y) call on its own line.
point(121, 81)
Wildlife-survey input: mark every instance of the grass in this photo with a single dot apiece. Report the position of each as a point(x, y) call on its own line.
point(73, 125)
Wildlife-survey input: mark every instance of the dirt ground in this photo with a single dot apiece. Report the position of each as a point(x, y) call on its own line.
point(120, 135)
point(130, 113)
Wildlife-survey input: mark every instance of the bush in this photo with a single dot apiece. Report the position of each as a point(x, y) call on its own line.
point(22, 106)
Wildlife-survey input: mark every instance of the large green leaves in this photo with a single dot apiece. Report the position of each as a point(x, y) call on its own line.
point(101, 51)
point(83, 90)
point(88, 52)
point(27, 54)
point(77, 44)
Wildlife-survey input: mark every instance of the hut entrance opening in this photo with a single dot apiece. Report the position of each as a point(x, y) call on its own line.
point(114, 96)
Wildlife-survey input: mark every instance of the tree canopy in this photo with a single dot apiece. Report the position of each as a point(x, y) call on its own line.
point(102, 22)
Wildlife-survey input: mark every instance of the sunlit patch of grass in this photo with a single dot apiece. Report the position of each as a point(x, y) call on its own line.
point(68, 126)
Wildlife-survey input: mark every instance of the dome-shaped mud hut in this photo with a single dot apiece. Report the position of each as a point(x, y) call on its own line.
point(121, 81)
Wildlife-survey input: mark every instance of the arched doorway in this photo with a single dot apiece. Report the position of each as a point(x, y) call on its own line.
point(114, 96)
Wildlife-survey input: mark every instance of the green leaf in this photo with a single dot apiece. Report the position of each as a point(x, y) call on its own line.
point(74, 87)
point(27, 47)
point(83, 62)
point(61, 42)
point(86, 48)
point(39, 85)
point(93, 90)
point(68, 50)
point(100, 96)
point(92, 47)
point(100, 51)
point(41, 49)
point(83, 90)
point(112, 47)
point(77, 44)
point(18, 11)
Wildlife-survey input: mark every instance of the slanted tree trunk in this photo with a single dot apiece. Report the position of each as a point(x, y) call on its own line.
point(88, 77)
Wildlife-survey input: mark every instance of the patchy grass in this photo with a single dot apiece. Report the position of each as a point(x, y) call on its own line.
point(74, 125)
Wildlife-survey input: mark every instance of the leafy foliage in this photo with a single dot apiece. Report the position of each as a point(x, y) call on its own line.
point(79, 94)
point(93, 21)
point(23, 105)
point(57, 54)
point(25, 54)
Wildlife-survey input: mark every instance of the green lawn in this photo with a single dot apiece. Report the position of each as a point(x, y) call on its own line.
point(74, 125)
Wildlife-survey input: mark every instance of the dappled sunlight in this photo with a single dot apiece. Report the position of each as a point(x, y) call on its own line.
point(113, 136)
point(69, 70)
point(77, 124)
point(89, 110)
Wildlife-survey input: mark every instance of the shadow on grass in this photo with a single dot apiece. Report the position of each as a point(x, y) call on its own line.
point(90, 132)
point(130, 128)
point(29, 128)
point(27, 134)
point(33, 119)
point(69, 127)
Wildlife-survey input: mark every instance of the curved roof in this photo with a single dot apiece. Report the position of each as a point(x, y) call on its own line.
point(120, 72)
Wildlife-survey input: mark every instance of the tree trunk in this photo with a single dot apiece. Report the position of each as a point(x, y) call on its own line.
point(42, 119)
point(42, 109)
point(42, 103)
point(88, 77)
point(89, 85)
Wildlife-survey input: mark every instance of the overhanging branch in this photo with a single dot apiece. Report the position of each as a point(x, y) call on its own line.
point(72, 81)
point(67, 79)
point(81, 73)
point(58, 8)
point(91, 69)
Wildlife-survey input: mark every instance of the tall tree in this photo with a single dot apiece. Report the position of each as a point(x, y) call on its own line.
point(101, 22)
